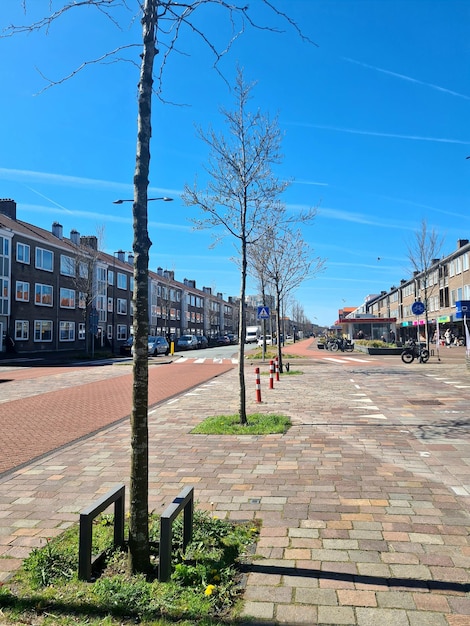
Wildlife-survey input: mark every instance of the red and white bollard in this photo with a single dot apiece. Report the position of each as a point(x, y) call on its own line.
point(277, 368)
point(258, 385)
point(271, 374)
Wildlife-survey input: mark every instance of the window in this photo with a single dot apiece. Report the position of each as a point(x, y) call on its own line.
point(22, 291)
point(109, 331)
point(121, 306)
point(81, 300)
point(121, 281)
point(110, 305)
point(43, 295)
point(81, 330)
point(110, 277)
point(131, 284)
point(42, 330)
point(67, 265)
point(44, 259)
point(23, 253)
point(121, 332)
point(66, 331)
point(83, 269)
point(465, 262)
point(67, 298)
point(4, 296)
point(21, 330)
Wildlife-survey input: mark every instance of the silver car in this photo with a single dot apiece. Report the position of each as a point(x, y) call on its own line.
point(187, 342)
point(158, 345)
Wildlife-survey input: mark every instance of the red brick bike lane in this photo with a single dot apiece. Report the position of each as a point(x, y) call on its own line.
point(34, 426)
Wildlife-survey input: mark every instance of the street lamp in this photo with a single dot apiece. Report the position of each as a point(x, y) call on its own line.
point(164, 198)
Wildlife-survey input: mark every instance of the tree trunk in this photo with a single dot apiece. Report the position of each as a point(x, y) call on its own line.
point(139, 553)
point(278, 331)
point(241, 338)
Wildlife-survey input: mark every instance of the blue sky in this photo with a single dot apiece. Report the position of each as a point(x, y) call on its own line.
point(375, 119)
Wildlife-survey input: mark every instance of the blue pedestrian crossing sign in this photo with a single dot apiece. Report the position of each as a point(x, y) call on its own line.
point(263, 312)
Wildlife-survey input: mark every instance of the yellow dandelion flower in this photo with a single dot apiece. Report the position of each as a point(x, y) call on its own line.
point(209, 590)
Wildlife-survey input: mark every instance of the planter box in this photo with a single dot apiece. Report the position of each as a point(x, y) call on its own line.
point(378, 351)
point(320, 346)
point(384, 350)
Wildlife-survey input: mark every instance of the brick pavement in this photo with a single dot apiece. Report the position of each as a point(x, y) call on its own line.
point(364, 501)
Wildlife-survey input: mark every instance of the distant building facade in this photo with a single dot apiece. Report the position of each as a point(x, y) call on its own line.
point(62, 293)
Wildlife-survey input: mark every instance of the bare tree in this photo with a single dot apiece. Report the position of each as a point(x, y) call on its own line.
point(241, 189)
point(83, 272)
point(163, 23)
point(287, 263)
point(423, 253)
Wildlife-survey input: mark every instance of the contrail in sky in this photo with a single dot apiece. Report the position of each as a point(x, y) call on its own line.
point(407, 78)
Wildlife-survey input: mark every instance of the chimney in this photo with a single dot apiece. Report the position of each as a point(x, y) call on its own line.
point(130, 258)
point(121, 255)
point(461, 243)
point(75, 237)
point(8, 208)
point(57, 230)
point(160, 271)
point(89, 241)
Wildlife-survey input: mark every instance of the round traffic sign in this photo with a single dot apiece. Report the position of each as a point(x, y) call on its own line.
point(418, 308)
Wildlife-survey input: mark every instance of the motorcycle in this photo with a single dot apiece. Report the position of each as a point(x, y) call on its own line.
point(414, 351)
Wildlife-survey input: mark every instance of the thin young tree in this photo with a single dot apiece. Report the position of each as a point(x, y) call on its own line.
point(241, 188)
point(288, 262)
point(423, 253)
point(164, 23)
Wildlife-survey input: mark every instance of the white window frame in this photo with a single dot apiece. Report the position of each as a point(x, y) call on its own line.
point(121, 332)
point(22, 284)
point(26, 252)
point(44, 259)
point(121, 306)
point(43, 291)
point(67, 265)
point(66, 331)
point(81, 331)
point(21, 330)
point(121, 281)
point(68, 295)
point(38, 330)
point(83, 269)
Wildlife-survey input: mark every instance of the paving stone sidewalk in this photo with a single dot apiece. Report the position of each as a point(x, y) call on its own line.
point(364, 501)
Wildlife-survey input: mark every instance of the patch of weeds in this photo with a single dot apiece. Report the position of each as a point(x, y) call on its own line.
point(257, 424)
point(203, 590)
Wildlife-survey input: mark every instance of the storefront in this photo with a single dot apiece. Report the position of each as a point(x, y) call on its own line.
point(370, 328)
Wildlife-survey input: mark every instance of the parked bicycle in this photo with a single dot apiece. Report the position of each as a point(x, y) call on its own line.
point(414, 351)
point(339, 343)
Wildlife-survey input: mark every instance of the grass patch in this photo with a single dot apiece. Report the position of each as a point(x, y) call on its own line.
point(203, 590)
point(271, 353)
point(258, 424)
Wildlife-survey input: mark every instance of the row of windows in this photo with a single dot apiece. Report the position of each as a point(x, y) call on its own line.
point(43, 296)
point(44, 260)
point(43, 331)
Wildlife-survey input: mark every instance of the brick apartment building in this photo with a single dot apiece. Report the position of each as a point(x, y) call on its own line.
point(60, 293)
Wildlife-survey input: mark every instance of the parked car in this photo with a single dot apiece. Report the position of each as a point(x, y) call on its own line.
point(233, 338)
point(186, 342)
point(269, 340)
point(158, 345)
point(125, 349)
point(202, 342)
point(223, 341)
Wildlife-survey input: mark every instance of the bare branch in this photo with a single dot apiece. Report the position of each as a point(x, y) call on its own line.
point(101, 59)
